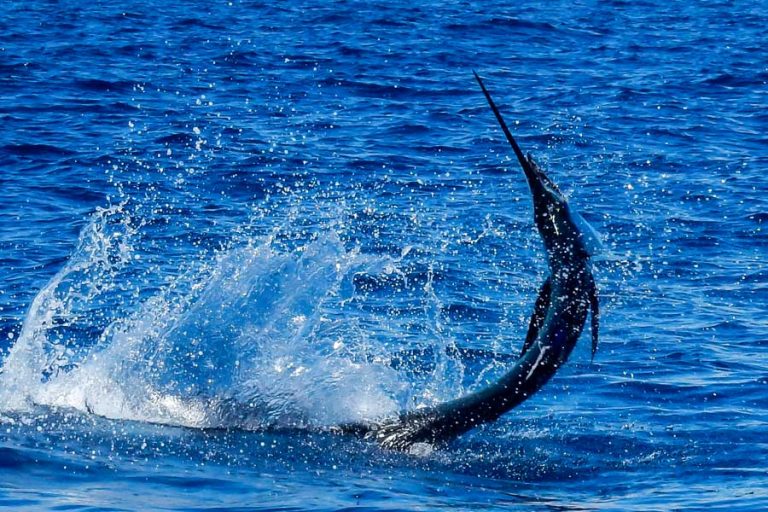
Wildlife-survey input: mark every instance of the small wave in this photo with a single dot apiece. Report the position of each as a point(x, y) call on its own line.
point(509, 21)
point(19, 67)
point(504, 22)
point(182, 138)
point(731, 80)
point(759, 217)
point(389, 22)
point(239, 57)
point(440, 148)
point(408, 129)
point(196, 22)
point(97, 85)
point(35, 150)
point(14, 459)
point(299, 61)
point(374, 90)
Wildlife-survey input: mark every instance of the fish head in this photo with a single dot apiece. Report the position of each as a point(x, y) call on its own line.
point(567, 235)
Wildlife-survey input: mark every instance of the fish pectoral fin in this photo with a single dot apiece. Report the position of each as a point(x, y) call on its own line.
point(539, 312)
point(594, 304)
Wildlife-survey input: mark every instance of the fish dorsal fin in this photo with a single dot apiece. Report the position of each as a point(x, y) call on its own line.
point(539, 312)
point(590, 238)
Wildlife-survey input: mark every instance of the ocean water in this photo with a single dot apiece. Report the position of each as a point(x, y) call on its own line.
point(225, 226)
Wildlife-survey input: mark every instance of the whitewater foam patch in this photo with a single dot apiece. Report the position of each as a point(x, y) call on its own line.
point(258, 337)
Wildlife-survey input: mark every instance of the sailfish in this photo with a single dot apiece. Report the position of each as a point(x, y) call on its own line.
point(565, 300)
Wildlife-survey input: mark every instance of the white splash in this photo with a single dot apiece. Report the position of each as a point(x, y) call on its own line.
point(258, 337)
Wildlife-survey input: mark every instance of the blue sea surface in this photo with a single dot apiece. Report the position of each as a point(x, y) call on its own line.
point(227, 226)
